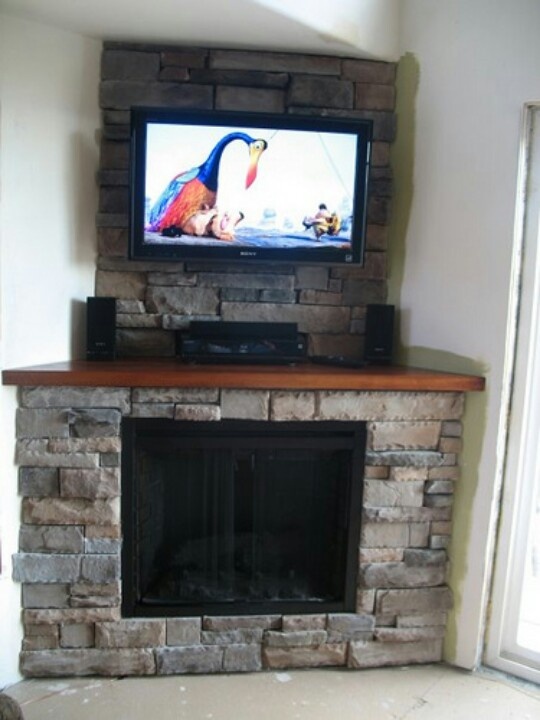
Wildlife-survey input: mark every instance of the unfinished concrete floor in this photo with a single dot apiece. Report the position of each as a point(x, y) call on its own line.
point(414, 693)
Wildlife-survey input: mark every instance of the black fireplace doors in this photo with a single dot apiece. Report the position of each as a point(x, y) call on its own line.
point(238, 517)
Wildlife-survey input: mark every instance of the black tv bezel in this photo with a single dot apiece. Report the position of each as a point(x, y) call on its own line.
point(141, 117)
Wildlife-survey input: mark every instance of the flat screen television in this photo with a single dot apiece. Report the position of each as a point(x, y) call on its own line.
point(248, 186)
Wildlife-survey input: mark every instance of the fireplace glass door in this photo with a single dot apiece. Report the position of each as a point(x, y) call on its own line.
point(236, 518)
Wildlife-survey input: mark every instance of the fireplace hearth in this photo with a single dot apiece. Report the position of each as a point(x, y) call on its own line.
point(72, 478)
point(240, 517)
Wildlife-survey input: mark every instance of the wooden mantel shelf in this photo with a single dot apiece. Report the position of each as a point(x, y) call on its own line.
point(166, 372)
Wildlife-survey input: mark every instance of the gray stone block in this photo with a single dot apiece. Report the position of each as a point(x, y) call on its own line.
point(183, 631)
point(172, 279)
point(43, 568)
point(349, 623)
point(130, 634)
point(413, 458)
point(37, 453)
point(102, 546)
point(424, 558)
point(191, 58)
point(38, 481)
point(89, 595)
point(87, 661)
point(85, 445)
point(274, 62)
point(71, 511)
point(110, 459)
point(439, 487)
point(181, 300)
point(424, 620)
point(240, 295)
point(49, 595)
point(152, 410)
point(386, 493)
point(241, 78)
point(245, 404)
point(322, 656)
point(197, 413)
point(291, 406)
point(278, 296)
point(226, 622)
point(420, 600)
point(439, 501)
point(51, 539)
point(385, 535)
point(365, 601)
point(404, 435)
point(319, 297)
point(401, 575)
point(71, 615)
point(115, 199)
point(447, 472)
point(194, 659)
point(405, 514)
point(452, 428)
point(332, 320)
point(405, 635)
point(260, 281)
point(122, 95)
point(242, 658)
point(124, 285)
point(376, 654)
point(78, 635)
point(246, 98)
point(311, 277)
point(75, 397)
point(299, 638)
point(100, 568)
point(297, 623)
point(100, 483)
point(39, 642)
point(175, 395)
point(41, 423)
point(374, 96)
point(367, 71)
point(362, 292)
point(94, 423)
point(321, 92)
point(388, 406)
point(129, 65)
point(241, 636)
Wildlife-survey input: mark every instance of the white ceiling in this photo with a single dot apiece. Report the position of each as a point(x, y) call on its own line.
point(361, 28)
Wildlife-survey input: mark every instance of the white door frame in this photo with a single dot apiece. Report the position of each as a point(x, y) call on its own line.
point(519, 436)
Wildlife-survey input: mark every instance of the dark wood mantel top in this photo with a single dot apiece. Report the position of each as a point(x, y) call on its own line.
point(167, 372)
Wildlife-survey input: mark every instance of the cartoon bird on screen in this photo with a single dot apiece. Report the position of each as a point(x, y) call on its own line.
point(195, 190)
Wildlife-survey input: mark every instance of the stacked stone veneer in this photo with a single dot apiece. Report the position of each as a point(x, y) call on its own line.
point(69, 563)
point(155, 299)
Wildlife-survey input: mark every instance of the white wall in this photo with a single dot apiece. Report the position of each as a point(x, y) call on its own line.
point(368, 27)
point(478, 63)
point(48, 158)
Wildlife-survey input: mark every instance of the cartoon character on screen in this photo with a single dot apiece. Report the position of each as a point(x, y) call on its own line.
point(323, 222)
point(190, 198)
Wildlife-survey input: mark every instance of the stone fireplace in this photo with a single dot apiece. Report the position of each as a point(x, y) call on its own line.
point(72, 415)
point(69, 452)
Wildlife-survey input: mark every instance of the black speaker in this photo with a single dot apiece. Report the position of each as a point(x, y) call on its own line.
point(379, 339)
point(100, 328)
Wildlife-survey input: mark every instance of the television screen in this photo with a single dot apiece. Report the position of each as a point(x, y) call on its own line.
point(248, 186)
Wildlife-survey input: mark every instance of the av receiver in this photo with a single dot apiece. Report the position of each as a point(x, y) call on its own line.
point(241, 342)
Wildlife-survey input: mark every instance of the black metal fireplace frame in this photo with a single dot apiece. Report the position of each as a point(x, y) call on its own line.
point(342, 435)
